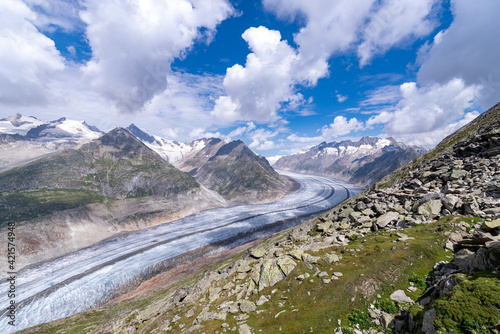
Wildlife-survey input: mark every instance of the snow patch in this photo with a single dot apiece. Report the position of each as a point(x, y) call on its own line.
point(173, 151)
point(20, 126)
point(272, 160)
point(78, 129)
point(332, 151)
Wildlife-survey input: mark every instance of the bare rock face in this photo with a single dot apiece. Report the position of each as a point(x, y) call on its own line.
point(286, 264)
point(247, 306)
point(399, 296)
point(270, 274)
point(387, 218)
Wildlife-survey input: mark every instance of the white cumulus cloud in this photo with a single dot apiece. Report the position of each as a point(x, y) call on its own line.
point(133, 43)
point(395, 22)
point(433, 137)
point(341, 126)
point(28, 59)
point(255, 91)
point(425, 109)
point(468, 49)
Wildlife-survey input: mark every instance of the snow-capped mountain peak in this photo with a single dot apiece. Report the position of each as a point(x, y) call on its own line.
point(170, 150)
point(19, 124)
point(349, 160)
point(61, 129)
point(64, 129)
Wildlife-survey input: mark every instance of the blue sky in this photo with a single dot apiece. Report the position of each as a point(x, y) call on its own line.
point(282, 75)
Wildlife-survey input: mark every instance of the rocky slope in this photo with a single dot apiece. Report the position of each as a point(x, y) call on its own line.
point(363, 162)
point(236, 173)
point(366, 266)
point(76, 197)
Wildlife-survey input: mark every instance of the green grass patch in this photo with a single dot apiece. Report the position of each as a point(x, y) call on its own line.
point(418, 281)
point(25, 205)
point(473, 306)
point(387, 305)
point(360, 318)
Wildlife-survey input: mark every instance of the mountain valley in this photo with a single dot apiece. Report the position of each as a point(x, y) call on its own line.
point(68, 185)
point(419, 251)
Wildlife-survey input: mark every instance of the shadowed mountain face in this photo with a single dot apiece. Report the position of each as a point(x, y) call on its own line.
point(235, 172)
point(363, 162)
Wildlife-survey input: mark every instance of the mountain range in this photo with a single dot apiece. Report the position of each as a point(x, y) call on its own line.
point(230, 169)
point(362, 162)
point(416, 252)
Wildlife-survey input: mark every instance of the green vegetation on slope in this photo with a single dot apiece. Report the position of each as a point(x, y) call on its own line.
point(29, 204)
point(474, 304)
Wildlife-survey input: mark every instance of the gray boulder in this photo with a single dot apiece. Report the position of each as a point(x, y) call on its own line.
point(387, 218)
point(399, 296)
point(247, 306)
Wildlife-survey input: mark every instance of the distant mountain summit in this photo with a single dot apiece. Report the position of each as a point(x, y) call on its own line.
point(23, 139)
point(362, 162)
point(18, 124)
point(61, 129)
point(236, 172)
point(170, 150)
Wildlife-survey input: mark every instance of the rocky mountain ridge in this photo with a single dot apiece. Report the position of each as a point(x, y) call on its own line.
point(363, 162)
point(236, 173)
point(170, 150)
point(366, 266)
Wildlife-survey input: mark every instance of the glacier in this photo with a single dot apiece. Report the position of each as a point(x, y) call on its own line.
point(91, 276)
